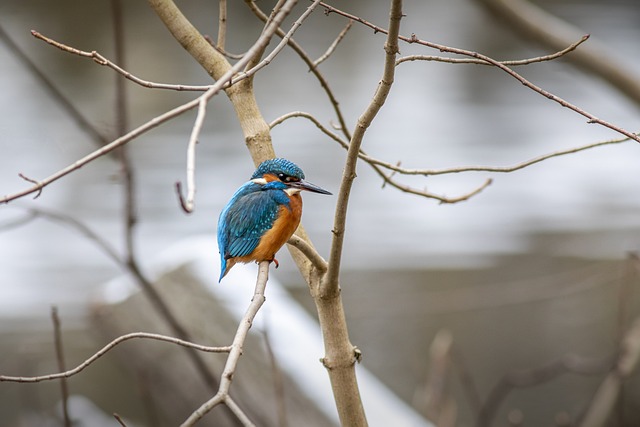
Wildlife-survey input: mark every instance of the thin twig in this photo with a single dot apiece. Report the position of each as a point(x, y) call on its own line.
point(513, 63)
point(33, 181)
point(101, 60)
point(257, 47)
point(332, 46)
point(238, 412)
point(309, 251)
point(314, 70)
point(188, 204)
point(498, 169)
point(236, 351)
point(222, 24)
point(222, 52)
point(414, 39)
point(377, 165)
point(151, 124)
point(119, 420)
point(106, 349)
point(64, 389)
point(538, 25)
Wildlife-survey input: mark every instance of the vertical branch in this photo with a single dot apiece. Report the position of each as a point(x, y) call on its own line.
point(222, 24)
point(57, 336)
point(330, 284)
point(340, 355)
point(122, 119)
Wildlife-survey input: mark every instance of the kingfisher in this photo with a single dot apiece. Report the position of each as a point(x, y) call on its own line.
point(262, 214)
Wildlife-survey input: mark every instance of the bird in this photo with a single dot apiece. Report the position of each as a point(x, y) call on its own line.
point(262, 214)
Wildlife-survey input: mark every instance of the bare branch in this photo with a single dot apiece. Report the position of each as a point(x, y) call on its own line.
point(314, 120)
point(57, 338)
point(377, 165)
point(222, 24)
point(314, 70)
point(498, 169)
point(414, 39)
point(332, 46)
point(229, 78)
point(550, 30)
point(257, 47)
point(330, 284)
point(106, 349)
point(513, 63)
point(238, 412)
point(234, 354)
point(156, 121)
point(188, 204)
point(101, 60)
point(119, 420)
point(309, 251)
point(33, 181)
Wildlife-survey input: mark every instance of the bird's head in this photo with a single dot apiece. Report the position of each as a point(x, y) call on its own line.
point(285, 175)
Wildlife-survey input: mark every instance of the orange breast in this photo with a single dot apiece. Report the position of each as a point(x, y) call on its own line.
point(283, 227)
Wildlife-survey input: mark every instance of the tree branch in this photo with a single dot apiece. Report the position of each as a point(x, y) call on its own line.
point(222, 396)
point(101, 60)
point(549, 30)
point(414, 39)
point(512, 63)
point(106, 349)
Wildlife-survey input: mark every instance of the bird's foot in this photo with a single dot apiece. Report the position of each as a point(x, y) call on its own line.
point(275, 261)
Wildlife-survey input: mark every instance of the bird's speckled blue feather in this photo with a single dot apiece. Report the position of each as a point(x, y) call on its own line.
point(276, 166)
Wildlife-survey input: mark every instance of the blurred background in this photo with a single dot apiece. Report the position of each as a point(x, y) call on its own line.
point(533, 268)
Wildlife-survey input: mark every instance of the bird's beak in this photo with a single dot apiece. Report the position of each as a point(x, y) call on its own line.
point(305, 185)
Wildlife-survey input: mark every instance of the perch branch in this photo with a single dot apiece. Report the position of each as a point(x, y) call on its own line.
point(222, 396)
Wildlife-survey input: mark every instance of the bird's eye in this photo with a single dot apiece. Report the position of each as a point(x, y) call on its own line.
point(287, 178)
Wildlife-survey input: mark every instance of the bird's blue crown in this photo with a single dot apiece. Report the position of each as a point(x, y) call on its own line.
point(278, 166)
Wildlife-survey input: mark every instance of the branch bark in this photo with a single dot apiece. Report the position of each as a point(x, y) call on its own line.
point(549, 30)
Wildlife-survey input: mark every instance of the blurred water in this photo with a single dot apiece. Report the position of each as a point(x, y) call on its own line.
point(437, 115)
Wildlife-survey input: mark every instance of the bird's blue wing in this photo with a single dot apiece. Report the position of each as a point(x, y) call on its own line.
point(243, 222)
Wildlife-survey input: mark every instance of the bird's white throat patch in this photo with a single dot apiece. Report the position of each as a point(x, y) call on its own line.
point(260, 181)
point(292, 190)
